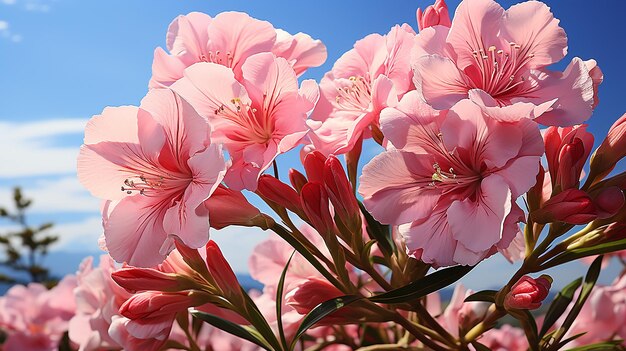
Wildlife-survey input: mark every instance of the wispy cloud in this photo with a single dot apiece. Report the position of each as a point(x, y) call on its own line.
point(6, 33)
point(30, 150)
point(30, 5)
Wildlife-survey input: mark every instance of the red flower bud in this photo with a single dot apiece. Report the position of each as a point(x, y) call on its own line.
point(341, 194)
point(222, 273)
point(160, 305)
point(314, 166)
point(528, 293)
point(141, 279)
point(230, 207)
point(571, 206)
point(567, 150)
point(279, 192)
point(609, 201)
point(612, 149)
point(297, 179)
point(433, 15)
point(316, 207)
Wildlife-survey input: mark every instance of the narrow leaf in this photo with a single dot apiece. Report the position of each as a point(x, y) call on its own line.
point(608, 345)
point(423, 286)
point(574, 254)
point(379, 232)
point(279, 302)
point(320, 311)
point(230, 327)
point(559, 305)
point(480, 347)
point(485, 295)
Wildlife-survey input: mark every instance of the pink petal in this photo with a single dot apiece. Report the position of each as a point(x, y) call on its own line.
point(439, 81)
point(300, 50)
point(532, 26)
point(431, 239)
point(134, 232)
point(395, 187)
point(510, 113)
point(575, 92)
point(188, 34)
point(495, 143)
point(166, 69)
point(365, 60)
point(240, 35)
point(430, 41)
point(476, 26)
point(399, 44)
point(520, 174)
point(115, 124)
point(487, 214)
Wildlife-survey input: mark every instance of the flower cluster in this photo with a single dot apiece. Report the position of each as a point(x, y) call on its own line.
point(484, 153)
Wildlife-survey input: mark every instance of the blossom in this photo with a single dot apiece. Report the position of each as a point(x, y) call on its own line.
point(159, 165)
point(98, 300)
point(505, 338)
point(433, 15)
point(257, 119)
point(460, 315)
point(528, 293)
point(363, 81)
point(452, 172)
point(228, 40)
point(505, 54)
point(34, 317)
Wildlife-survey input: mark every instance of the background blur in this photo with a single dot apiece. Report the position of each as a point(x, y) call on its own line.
point(62, 61)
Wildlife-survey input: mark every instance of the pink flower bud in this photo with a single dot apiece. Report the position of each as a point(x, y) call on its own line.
point(528, 293)
point(314, 166)
point(311, 293)
point(278, 192)
point(222, 273)
point(141, 279)
point(316, 207)
point(609, 201)
point(567, 150)
point(433, 15)
point(297, 179)
point(341, 194)
point(230, 207)
point(612, 149)
point(160, 305)
point(571, 206)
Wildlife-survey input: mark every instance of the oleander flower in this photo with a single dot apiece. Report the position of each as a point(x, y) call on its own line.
point(452, 182)
point(228, 40)
point(158, 164)
point(258, 118)
point(371, 76)
point(505, 54)
point(34, 317)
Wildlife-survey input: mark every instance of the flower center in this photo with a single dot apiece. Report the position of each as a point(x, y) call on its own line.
point(499, 70)
point(356, 96)
point(255, 127)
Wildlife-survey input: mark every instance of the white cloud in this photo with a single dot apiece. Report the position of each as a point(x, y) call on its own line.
point(81, 236)
point(4, 25)
point(30, 151)
point(8, 2)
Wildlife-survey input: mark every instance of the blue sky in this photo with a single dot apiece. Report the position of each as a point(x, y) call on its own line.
point(62, 61)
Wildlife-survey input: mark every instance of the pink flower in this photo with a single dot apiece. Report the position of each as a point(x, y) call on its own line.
point(434, 15)
point(506, 338)
point(460, 315)
point(505, 54)
point(366, 79)
point(98, 299)
point(567, 150)
point(257, 119)
point(228, 40)
point(528, 293)
point(158, 162)
point(34, 317)
point(452, 172)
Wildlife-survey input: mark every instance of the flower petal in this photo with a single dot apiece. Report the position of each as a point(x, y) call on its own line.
point(439, 81)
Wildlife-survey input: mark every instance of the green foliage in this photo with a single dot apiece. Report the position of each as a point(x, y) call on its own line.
point(25, 248)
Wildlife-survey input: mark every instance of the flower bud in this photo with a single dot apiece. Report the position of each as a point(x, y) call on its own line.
point(280, 193)
point(341, 194)
point(433, 15)
point(230, 207)
point(609, 201)
point(161, 305)
point(316, 207)
point(571, 206)
point(222, 273)
point(567, 150)
point(140, 279)
point(612, 149)
point(297, 179)
point(314, 166)
point(311, 293)
point(528, 293)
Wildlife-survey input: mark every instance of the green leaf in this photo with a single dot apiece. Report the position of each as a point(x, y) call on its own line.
point(608, 345)
point(423, 286)
point(379, 232)
point(232, 328)
point(279, 302)
point(559, 305)
point(485, 295)
point(528, 323)
point(574, 254)
point(320, 311)
point(480, 347)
